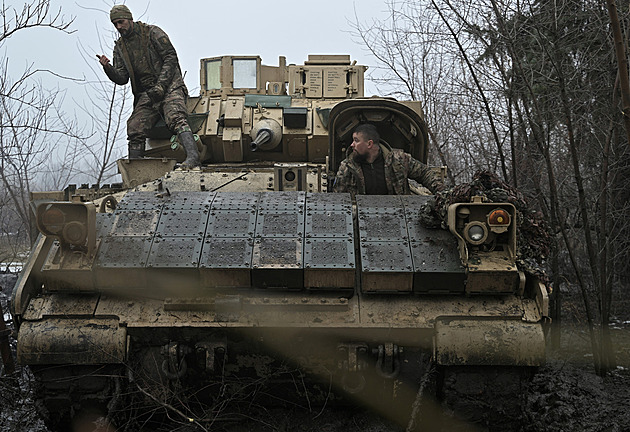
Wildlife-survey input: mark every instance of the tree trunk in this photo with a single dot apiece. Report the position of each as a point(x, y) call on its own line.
point(622, 63)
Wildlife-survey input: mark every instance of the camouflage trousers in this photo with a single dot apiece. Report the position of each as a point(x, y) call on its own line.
point(147, 113)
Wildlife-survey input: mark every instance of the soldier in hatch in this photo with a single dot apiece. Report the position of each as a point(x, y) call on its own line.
point(145, 55)
point(376, 169)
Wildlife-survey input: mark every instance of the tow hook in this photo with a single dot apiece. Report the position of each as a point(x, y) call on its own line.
point(174, 366)
point(388, 363)
point(210, 351)
point(352, 379)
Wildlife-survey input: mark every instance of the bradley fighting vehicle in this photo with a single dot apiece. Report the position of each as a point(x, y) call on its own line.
point(183, 282)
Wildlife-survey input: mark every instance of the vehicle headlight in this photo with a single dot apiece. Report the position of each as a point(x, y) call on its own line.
point(52, 219)
point(72, 223)
point(476, 233)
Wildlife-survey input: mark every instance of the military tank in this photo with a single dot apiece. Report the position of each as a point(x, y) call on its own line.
point(188, 286)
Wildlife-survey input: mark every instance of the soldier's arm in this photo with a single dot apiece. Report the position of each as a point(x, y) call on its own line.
point(343, 178)
point(424, 175)
point(116, 72)
point(167, 52)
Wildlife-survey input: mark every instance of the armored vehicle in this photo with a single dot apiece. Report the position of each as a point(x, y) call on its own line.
point(184, 285)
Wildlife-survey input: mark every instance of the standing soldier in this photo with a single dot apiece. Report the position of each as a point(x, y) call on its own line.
point(145, 55)
point(376, 169)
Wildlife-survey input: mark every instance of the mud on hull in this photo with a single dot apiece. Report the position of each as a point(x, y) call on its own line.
point(173, 361)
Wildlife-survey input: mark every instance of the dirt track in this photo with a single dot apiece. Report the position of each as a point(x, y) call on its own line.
point(565, 395)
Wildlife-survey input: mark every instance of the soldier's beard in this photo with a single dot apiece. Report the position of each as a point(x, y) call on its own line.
point(126, 31)
point(360, 158)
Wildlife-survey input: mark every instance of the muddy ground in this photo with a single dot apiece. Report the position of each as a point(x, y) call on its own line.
point(565, 395)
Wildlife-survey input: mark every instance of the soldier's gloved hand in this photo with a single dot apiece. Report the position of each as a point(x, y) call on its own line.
point(156, 93)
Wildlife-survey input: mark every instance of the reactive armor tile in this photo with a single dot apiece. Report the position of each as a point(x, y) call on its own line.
point(328, 201)
point(375, 202)
point(436, 254)
point(277, 263)
point(329, 253)
point(418, 232)
point(436, 261)
point(182, 223)
point(235, 200)
point(386, 257)
point(174, 252)
point(226, 262)
point(135, 223)
point(437, 267)
point(124, 252)
point(127, 255)
point(104, 223)
point(329, 263)
point(386, 266)
point(231, 223)
point(288, 223)
point(140, 200)
point(415, 202)
point(227, 253)
point(181, 200)
point(278, 253)
point(382, 226)
point(322, 223)
point(282, 200)
point(413, 207)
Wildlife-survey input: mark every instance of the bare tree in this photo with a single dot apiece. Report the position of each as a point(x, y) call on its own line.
point(35, 13)
point(421, 58)
point(33, 129)
point(406, 47)
point(105, 106)
point(539, 77)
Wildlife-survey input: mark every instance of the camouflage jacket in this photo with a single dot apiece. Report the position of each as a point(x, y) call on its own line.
point(399, 166)
point(148, 58)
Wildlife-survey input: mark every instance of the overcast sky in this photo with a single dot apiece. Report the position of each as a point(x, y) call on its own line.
point(198, 29)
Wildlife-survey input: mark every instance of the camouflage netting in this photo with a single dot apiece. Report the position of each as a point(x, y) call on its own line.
point(533, 237)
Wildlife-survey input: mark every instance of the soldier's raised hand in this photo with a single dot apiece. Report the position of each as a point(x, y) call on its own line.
point(103, 60)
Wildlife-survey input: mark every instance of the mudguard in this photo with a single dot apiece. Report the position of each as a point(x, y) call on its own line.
point(85, 341)
point(482, 341)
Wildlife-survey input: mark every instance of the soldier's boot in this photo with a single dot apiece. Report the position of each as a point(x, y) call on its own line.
point(187, 140)
point(136, 150)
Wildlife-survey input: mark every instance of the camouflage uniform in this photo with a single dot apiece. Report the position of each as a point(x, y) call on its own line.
point(148, 58)
point(399, 166)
